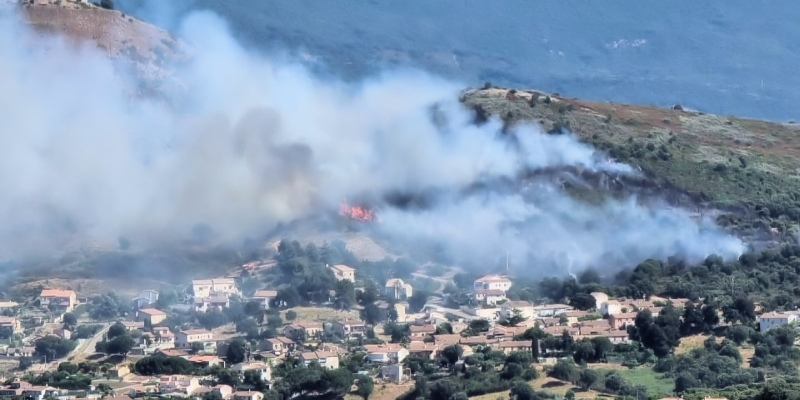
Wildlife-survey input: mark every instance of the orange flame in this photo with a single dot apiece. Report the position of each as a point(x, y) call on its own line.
point(357, 213)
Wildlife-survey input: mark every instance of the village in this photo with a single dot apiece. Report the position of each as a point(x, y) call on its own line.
point(489, 321)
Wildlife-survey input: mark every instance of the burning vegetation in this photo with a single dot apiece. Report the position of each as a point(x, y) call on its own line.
point(358, 213)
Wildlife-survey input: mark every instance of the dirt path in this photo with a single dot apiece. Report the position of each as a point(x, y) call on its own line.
point(86, 349)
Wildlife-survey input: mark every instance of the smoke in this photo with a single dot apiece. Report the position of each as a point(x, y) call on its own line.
point(247, 142)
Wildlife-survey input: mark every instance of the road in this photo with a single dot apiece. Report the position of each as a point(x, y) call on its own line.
point(86, 349)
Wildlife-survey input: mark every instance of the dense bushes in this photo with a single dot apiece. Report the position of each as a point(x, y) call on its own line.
point(160, 365)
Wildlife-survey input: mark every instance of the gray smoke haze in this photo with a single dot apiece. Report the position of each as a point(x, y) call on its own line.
point(251, 142)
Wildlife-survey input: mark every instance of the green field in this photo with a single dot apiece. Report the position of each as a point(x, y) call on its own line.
point(656, 385)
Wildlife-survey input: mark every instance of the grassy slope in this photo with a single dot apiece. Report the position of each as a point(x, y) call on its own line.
point(728, 161)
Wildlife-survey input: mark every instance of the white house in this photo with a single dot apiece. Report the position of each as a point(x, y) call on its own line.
point(599, 299)
point(208, 287)
point(184, 339)
point(326, 359)
point(343, 272)
point(384, 353)
point(610, 307)
point(496, 282)
point(264, 369)
point(773, 319)
point(146, 298)
point(549, 310)
point(526, 309)
point(265, 296)
point(397, 289)
point(489, 296)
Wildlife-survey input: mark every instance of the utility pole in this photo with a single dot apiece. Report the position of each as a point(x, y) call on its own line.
point(506, 262)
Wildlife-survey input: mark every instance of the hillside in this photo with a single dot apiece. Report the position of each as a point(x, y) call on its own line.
point(148, 49)
point(696, 159)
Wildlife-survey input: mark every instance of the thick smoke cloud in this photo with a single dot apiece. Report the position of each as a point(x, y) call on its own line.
point(248, 142)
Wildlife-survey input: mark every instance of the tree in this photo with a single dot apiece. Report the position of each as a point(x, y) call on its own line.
point(70, 320)
point(197, 347)
point(418, 300)
point(68, 367)
point(564, 370)
point(345, 295)
point(291, 315)
point(587, 378)
point(120, 345)
point(248, 326)
point(583, 301)
point(710, 317)
point(365, 386)
point(521, 390)
point(535, 349)
point(444, 329)
point(6, 332)
point(479, 325)
point(108, 5)
point(516, 317)
point(452, 353)
point(443, 389)
point(742, 310)
point(570, 395)
point(118, 329)
point(371, 314)
point(53, 346)
point(237, 351)
point(404, 268)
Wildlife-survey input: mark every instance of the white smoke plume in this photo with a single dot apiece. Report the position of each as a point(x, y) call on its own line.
point(252, 141)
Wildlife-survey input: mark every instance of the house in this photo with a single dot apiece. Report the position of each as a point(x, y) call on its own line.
point(423, 350)
point(573, 316)
point(63, 300)
point(206, 361)
point(119, 371)
point(62, 333)
point(163, 335)
point(419, 332)
point(397, 289)
point(209, 287)
point(173, 353)
point(326, 359)
point(395, 373)
point(263, 369)
point(151, 316)
point(277, 345)
point(490, 314)
point(224, 391)
point(489, 296)
point(496, 282)
point(265, 296)
point(309, 329)
point(8, 305)
point(559, 330)
point(549, 310)
point(184, 339)
point(616, 336)
point(133, 325)
point(594, 327)
point(446, 340)
point(474, 340)
point(383, 353)
point(639, 305)
point(146, 298)
point(511, 308)
point(773, 319)
point(15, 388)
point(348, 328)
point(217, 302)
point(344, 273)
point(399, 308)
point(599, 299)
point(248, 395)
point(621, 320)
point(513, 345)
point(611, 307)
point(11, 323)
point(38, 392)
point(177, 384)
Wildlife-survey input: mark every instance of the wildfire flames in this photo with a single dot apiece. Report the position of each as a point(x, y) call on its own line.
point(357, 213)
